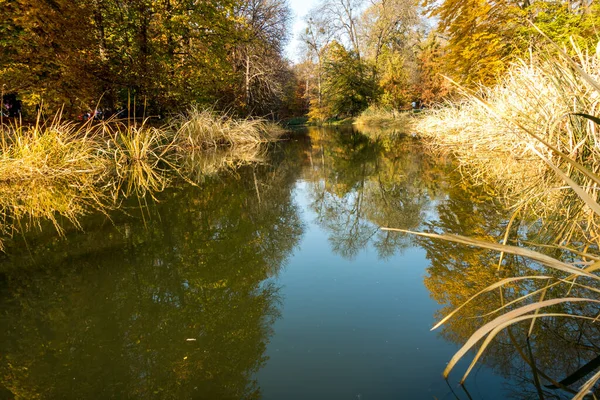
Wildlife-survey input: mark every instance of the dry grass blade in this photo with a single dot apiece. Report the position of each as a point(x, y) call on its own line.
point(555, 150)
point(568, 59)
point(504, 324)
point(591, 203)
point(487, 289)
point(568, 281)
point(508, 318)
point(587, 387)
point(536, 312)
point(506, 234)
point(531, 254)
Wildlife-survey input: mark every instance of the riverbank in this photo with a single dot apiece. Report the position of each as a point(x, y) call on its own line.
point(373, 117)
point(377, 117)
point(56, 168)
point(534, 138)
point(531, 136)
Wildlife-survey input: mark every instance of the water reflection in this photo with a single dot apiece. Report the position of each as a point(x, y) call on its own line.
point(359, 184)
point(175, 300)
point(560, 353)
point(175, 303)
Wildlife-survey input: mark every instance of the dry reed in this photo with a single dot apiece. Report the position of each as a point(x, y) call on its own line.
point(384, 118)
point(505, 136)
point(63, 169)
point(536, 136)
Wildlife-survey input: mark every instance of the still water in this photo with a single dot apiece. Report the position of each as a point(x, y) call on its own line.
point(272, 281)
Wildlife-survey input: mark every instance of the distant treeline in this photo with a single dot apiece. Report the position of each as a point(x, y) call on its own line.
point(164, 54)
point(391, 53)
point(228, 54)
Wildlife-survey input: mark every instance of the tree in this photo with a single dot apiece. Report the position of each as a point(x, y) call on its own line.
point(485, 36)
point(380, 40)
point(385, 24)
point(432, 86)
point(264, 32)
point(347, 89)
point(316, 38)
point(163, 53)
point(480, 37)
point(342, 18)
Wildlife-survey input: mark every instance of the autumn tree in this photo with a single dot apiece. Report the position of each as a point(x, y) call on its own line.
point(484, 36)
point(315, 39)
point(165, 54)
point(432, 86)
point(257, 57)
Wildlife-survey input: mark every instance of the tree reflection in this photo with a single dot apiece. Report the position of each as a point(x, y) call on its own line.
point(175, 303)
point(358, 184)
point(558, 348)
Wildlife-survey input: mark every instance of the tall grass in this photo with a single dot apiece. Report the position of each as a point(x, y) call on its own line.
point(384, 118)
point(536, 136)
point(142, 158)
point(511, 134)
point(199, 129)
point(55, 150)
point(208, 142)
point(57, 168)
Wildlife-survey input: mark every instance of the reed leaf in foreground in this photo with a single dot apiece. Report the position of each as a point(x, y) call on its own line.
point(488, 289)
point(587, 387)
point(535, 135)
point(520, 251)
point(496, 326)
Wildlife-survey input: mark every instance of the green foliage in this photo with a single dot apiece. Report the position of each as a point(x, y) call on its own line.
point(394, 80)
point(372, 59)
point(480, 37)
point(347, 87)
point(562, 24)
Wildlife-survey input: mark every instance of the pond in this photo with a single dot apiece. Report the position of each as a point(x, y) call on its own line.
point(272, 281)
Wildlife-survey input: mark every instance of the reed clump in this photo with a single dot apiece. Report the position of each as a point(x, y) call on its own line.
point(56, 168)
point(199, 129)
point(382, 117)
point(51, 151)
point(142, 158)
point(510, 134)
point(536, 136)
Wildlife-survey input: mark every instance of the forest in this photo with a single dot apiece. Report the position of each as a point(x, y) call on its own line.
point(165, 55)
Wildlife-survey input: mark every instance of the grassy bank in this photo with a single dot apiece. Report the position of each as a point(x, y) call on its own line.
point(376, 117)
point(55, 168)
point(535, 137)
point(516, 135)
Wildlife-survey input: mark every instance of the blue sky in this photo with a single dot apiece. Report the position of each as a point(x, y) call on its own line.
point(300, 9)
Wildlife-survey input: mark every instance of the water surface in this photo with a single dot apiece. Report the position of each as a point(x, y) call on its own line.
point(273, 281)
